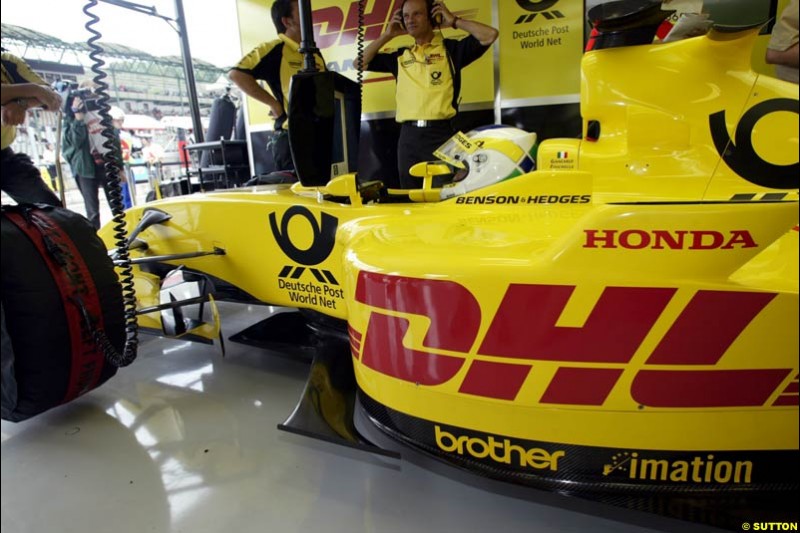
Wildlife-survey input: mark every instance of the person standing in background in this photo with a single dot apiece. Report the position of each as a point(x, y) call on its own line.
point(118, 120)
point(84, 159)
point(782, 50)
point(428, 76)
point(49, 162)
point(275, 62)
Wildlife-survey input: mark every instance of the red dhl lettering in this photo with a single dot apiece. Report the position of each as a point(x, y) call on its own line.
point(612, 333)
point(636, 239)
point(332, 28)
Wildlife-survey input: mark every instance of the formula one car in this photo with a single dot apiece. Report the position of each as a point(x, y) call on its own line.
point(620, 321)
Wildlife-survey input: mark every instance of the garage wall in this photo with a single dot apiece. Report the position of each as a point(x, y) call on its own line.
point(531, 78)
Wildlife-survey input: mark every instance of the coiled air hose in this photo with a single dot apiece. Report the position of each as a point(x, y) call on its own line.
point(360, 51)
point(112, 163)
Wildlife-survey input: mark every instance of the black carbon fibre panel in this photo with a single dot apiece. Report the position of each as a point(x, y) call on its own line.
point(611, 476)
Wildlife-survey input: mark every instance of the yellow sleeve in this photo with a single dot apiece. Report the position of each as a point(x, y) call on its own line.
point(21, 69)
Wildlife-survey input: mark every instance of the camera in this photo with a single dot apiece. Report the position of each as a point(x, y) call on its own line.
point(69, 90)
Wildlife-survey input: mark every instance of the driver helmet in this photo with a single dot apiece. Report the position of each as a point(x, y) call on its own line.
point(485, 156)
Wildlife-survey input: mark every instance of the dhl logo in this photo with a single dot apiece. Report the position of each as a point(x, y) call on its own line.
point(337, 26)
point(615, 328)
point(332, 27)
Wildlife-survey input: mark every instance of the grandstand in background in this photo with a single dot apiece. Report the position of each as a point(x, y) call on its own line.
point(139, 83)
point(148, 88)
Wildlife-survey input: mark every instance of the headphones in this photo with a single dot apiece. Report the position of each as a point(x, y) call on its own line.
point(429, 7)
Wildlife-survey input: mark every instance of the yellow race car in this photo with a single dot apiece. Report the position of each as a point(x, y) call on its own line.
point(613, 316)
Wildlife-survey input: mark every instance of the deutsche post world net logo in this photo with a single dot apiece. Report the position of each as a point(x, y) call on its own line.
point(305, 283)
point(538, 8)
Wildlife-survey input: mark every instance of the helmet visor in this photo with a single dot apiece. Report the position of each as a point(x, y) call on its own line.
point(456, 150)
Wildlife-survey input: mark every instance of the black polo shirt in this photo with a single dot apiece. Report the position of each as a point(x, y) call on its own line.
point(276, 62)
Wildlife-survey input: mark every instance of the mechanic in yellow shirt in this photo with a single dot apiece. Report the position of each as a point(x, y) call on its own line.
point(275, 62)
point(428, 76)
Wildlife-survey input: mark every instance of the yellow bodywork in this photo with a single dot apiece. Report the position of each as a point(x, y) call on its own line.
point(637, 291)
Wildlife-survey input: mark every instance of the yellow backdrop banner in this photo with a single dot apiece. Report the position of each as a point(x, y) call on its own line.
point(541, 48)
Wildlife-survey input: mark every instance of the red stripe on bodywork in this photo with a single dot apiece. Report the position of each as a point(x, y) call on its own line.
point(385, 353)
point(494, 380)
point(707, 327)
point(453, 311)
point(525, 325)
point(790, 388)
point(706, 388)
point(581, 386)
point(354, 332)
point(786, 400)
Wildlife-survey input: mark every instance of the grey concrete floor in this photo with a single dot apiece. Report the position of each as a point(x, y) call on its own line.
point(185, 440)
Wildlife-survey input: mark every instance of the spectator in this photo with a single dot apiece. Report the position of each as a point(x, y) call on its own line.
point(152, 152)
point(84, 150)
point(49, 162)
point(118, 119)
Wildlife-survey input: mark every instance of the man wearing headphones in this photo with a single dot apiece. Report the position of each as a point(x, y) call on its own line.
point(275, 62)
point(428, 76)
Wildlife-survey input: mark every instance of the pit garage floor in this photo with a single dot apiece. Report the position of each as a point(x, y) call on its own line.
point(184, 440)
